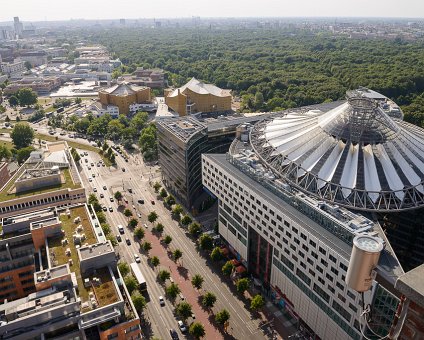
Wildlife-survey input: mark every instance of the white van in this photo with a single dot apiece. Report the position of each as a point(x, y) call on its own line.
point(121, 229)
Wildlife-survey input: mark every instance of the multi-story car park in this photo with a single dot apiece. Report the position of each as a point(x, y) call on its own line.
point(58, 278)
point(289, 207)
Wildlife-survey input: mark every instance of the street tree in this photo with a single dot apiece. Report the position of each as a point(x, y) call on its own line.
point(216, 254)
point(194, 229)
point(209, 300)
point(118, 196)
point(157, 186)
point(138, 300)
point(183, 310)
point(206, 242)
point(186, 220)
point(128, 213)
point(124, 268)
point(167, 239)
point(152, 217)
point(131, 283)
point(177, 210)
point(164, 275)
point(163, 193)
point(222, 317)
point(147, 246)
point(257, 302)
point(242, 285)
point(177, 254)
point(197, 281)
point(197, 330)
point(22, 135)
point(172, 290)
point(155, 261)
point(159, 228)
point(170, 200)
point(139, 233)
point(112, 240)
point(227, 268)
point(133, 223)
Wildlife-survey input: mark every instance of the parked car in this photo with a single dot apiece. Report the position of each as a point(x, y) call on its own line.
point(182, 327)
point(140, 201)
point(110, 209)
point(137, 258)
point(121, 229)
point(104, 187)
point(161, 301)
point(118, 238)
point(128, 241)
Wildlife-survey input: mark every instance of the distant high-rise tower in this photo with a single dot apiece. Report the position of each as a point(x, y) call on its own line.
point(122, 21)
point(18, 27)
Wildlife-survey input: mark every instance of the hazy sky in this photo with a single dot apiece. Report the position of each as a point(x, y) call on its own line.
point(34, 10)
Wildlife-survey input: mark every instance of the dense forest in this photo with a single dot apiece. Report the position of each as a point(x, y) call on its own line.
point(273, 69)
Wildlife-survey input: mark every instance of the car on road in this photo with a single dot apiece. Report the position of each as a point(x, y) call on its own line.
point(86, 160)
point(95, 189)
point(102, 196)
point(174, 334)
point(161, 301)
point(104, 208)
point(89, 167)
point(121, 229)
point(128, 241)
point(119, 238)
point(130, 190)
point(137, 258)
point(63, 133)
point(153, 202)
point(111, 198)
point(90, 180)
point(98, 165)
point(85, 153)
point(182, 298)
point(123, 169)
point(110, 209)
point(104, 187)
point(125, 200)
point(140, 201)
point(145, 225)
point(138, 215)
point(133, 206)
point(92, 164)
point(182, 327)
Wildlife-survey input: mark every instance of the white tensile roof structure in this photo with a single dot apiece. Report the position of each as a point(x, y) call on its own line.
point(201, 88)
point(355, 155)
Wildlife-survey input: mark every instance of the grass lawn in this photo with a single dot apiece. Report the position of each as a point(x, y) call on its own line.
point(57, 251)
point(68, 184)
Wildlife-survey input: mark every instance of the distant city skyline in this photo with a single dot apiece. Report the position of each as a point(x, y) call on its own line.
point(44, 10)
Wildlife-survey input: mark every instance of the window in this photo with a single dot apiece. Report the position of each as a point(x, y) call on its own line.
point(343, 312)
point(332, 258)
point(329, 277)
point(334, 270)
point(339, 285)
point(310, 261)
point(324, 262)
point(303, 276)
point(343, 267)
point(287, 224)
point(312, 243)
point(321, 280)
point(303, 236)
point(352, 307)
point(321, 293)
point(351, 295)
point(319, 269)
point(311, 272)
point(341, 298)
point(331, 289)
point(295, 230)
point(322, 251)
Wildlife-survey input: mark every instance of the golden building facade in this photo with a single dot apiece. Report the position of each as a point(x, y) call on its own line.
point(123, 95)
point(196, 96)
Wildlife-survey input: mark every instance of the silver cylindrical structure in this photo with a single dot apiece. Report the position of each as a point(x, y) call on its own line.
point(363, 259)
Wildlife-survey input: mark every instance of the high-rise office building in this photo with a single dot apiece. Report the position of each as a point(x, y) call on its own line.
point(294, 191)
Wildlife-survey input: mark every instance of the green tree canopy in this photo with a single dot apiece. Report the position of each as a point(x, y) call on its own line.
point(257, 302)
point(138, 300)
point(155, 261)
point(118, 196)
point(139, 233)
point(172, 290)
point(167, 239)
point(26, 96)
point(216, 254)
point(133, 223)
point(186, 220)
point(5, 153)
point(222, 317)
point(131, 283)
point(227, 268)
point(147, 246)
point(197, 281)
point(124, 268)
point(209, 300)
point(164, 275)
point(206, 242)
point(194, 229)
point(23, 154)
point(22, 135)
point(183, 310)
point(177, 254)
point(197, 330)
point(152, 217)
point(242, 285)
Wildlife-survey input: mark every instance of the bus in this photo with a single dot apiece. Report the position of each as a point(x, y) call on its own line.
point(135, 270)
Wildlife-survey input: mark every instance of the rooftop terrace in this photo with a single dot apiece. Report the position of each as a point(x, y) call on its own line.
point(104, 290)
point(8, 192)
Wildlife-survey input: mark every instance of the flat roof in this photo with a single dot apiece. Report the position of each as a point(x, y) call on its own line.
point(183, 128)
point(411, 285)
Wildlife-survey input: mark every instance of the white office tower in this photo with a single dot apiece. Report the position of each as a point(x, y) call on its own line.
point(293, 197)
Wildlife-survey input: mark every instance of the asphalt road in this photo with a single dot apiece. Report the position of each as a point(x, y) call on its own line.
point(136, 177)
